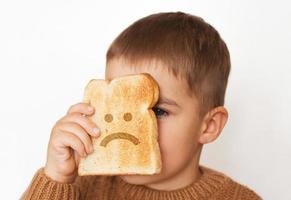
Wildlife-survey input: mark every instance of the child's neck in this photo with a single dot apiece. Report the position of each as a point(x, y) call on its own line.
point(190, 174)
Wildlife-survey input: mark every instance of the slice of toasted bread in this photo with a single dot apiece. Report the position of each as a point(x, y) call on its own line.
point(129, 134)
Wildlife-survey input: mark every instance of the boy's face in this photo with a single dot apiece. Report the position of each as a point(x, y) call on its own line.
point(178, 127)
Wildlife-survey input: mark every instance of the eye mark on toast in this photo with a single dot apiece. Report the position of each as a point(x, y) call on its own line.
point(119, 135)
point(109, 118)
point(127, 116)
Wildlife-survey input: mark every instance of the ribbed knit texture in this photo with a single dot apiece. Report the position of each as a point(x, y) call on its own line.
point(212, 185)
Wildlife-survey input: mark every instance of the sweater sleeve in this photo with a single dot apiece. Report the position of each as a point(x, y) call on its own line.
point(43, 187)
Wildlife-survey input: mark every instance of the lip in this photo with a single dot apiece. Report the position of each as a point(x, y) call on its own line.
point(119, 135)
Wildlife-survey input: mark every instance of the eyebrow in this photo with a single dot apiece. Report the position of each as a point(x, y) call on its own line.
point(164, 100)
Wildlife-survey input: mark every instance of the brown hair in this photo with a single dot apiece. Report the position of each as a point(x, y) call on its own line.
point(187, 45)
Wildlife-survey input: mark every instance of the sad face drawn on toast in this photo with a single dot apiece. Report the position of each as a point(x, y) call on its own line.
point(123, 109)
point(119, 135)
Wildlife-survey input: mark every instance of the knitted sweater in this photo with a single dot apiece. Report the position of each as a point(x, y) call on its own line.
point(212, 185)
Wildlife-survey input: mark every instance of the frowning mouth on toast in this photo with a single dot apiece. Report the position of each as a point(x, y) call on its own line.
point(119, 135)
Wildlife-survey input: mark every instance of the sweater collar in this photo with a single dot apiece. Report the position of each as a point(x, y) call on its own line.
point(210, 182)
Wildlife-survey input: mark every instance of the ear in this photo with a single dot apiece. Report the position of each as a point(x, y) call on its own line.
point(212, 124)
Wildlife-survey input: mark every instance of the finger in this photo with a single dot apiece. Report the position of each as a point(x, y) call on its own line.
point(87, 124)
point(77, 130)
point(67, 139)
point(83, 108)
point(77, 158)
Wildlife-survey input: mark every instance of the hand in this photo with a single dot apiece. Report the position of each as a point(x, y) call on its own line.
point(70, 139)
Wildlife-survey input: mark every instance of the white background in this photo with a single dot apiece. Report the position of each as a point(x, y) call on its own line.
point(50, 49)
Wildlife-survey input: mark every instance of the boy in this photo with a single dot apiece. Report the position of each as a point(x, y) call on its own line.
point(191, 64)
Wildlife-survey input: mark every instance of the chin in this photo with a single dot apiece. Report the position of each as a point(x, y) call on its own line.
point(139, 179)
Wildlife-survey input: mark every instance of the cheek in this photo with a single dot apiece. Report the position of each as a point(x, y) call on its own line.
point(176, 144)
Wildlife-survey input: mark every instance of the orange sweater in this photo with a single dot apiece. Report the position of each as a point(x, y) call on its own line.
point(212, 185)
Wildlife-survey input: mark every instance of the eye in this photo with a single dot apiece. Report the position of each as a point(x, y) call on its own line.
point(160, 112)
point(127, 116)
point(108, 118)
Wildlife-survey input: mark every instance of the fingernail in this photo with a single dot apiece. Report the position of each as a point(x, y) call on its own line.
point(96, 131)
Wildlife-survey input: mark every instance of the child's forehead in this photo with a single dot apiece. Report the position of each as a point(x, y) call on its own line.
point(120, 67)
